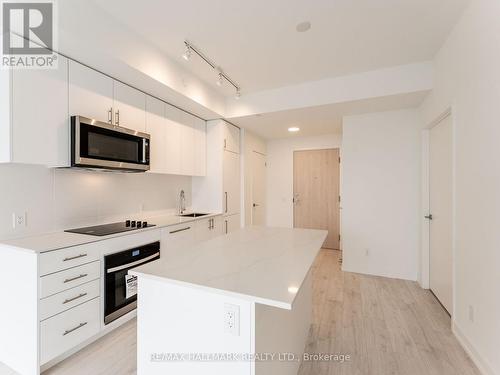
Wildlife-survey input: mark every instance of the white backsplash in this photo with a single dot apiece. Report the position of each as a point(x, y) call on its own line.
point(56, 199)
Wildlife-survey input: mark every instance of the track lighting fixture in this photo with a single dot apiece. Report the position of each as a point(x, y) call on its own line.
point(219, 80)
point(187, 55)
point(221, 76)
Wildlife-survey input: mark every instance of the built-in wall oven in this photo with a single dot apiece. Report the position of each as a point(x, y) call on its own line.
point(120, 288)
point(96, 144)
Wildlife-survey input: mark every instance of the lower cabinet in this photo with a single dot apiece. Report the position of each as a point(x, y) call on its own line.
point(69, 329)
point(207, 229)
point(231, 223)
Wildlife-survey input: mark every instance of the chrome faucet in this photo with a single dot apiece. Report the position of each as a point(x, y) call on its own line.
point(182, 202)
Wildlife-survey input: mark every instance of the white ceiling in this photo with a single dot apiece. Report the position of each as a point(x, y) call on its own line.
point(255, 42)
point(326, 119)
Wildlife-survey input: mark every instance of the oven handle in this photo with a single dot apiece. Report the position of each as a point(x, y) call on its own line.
point(130, 265)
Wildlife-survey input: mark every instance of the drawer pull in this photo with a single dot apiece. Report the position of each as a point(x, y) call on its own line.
point(76, 278)
point(75, 257)
point(74, 298)
point(74, 329)
point(179, 230)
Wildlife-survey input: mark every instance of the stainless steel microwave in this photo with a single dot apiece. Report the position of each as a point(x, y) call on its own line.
point(96, 144)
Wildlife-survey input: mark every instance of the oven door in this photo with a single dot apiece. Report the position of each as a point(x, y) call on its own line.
point(120, 296)
point(96, 144)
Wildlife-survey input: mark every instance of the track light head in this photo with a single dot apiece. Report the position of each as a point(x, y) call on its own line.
point(219, 80)
point(187, 55)
point(238, 94)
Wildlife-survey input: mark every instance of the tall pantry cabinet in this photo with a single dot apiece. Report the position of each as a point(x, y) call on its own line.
point(220, 191)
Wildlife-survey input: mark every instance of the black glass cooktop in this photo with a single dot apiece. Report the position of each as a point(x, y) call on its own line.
point(107, 229)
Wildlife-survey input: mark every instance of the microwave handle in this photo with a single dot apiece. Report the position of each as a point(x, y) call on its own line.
point(144, 150)
point(133, 264)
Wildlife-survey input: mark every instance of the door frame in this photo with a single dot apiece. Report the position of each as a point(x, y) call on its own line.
point(339, 148)
point(424, 269)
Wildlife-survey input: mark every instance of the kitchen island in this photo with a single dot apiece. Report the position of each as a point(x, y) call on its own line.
point(236, 304)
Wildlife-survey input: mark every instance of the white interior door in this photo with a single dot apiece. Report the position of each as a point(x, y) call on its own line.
point(258, 188)
point(441, 201)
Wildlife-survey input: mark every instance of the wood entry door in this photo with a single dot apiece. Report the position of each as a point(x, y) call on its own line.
point(316, 192)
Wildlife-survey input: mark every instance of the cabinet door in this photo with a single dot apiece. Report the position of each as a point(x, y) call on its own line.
point(200, 147)
point(177, 238)
point(40, 121)
point(231, 138)
point(204, 230)
point(187, 144)
point(231, 223)
point(231, 183)
point(156, 126)
point(129, 107)
point(90, 93)
point(173, 139)
point(218, 226)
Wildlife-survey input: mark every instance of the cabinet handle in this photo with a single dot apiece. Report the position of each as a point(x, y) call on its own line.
point(225, 143)
point(225, 210)
point(209, 223)
point(117, 117)
point(74, 329)
point(75, 257)
point(74, 298)
point(179, 230)
point(110, 115)
point(226, 226)
point(76, 278)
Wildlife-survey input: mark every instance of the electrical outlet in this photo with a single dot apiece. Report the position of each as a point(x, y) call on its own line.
point(232, 319)
point(471, 313)
point(19, 220)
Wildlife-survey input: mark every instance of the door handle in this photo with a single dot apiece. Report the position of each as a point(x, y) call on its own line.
point(226, 226)
point(225, 193)
point(255, 205)
point(429, 217)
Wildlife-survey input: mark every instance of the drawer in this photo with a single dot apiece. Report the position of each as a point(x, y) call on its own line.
point(69, 329)
point(59, 260)
point(68, 299)
point(67, 279)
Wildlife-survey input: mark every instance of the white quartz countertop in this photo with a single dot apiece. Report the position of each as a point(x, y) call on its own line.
point(261, 264)
point(61, 239)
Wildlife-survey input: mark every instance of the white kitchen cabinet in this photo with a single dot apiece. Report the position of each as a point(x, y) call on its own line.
point(187, 144)
point(156, 126)
point(231, 223)
point(90, 93)
point(231, 138)
point(208, 228)
point(231, 183)
point(129, 107)
point(177, 238)
point(40, 120)
point(200, 147)
point(173, 139)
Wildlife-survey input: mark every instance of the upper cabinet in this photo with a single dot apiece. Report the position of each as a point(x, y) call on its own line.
point(90, 93)
point(178, 140)
point(231, 138)
point(40, 130)
point(35, 126)
point(129, 107)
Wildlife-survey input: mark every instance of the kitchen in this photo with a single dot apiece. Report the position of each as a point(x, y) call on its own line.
point(180, 195)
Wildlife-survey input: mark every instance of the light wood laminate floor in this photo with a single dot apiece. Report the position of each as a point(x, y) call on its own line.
point(386, 326)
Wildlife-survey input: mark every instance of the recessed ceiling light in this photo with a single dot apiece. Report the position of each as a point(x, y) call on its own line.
point(293, 290)
point(293, 129)
point(303, 26)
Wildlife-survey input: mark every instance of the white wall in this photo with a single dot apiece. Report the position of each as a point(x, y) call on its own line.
point(280, 174)
point(381, 193)
point(467, 79)
point(56, 199)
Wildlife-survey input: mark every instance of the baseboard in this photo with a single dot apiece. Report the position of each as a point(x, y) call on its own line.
point(371, 273)
point(479, 361)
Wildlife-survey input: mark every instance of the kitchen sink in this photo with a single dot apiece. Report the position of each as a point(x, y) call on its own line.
point(194, 214)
